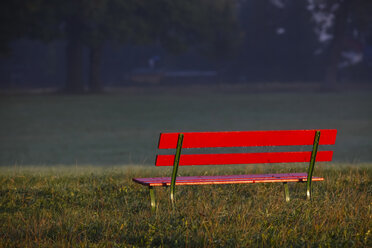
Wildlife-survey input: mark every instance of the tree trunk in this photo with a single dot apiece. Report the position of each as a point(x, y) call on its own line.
point(340, 24)
point(74, 58)
point(95, 82)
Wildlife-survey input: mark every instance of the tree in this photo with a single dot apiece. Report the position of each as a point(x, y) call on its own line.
point(10, 24)
point(19, 19)
point(280, 42)
point(350, 18)
point(91, 24)
point(208, 25)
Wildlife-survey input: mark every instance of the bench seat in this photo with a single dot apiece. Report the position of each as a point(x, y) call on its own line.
point(226, 179)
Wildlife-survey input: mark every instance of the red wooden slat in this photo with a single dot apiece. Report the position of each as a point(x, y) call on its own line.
point(154, 179)
point(243, 158)
point(247, 138)
point(231, 179)
point(224, 178)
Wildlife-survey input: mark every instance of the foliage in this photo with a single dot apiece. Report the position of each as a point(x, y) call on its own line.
point(170, 22)
point(101, 207)
point(173, 24)
point(19, 19)
point(349, 24)
point(279, 40)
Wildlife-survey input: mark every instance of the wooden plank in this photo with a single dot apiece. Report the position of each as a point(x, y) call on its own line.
point(221, 179)
point(228, 176)
point(224, 178)
point(243, 158)
point(230, 179)
point(247, 138)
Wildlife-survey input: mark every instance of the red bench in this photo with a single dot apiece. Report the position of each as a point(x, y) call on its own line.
point(181, 141)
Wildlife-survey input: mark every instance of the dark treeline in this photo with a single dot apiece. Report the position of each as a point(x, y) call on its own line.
point(80, 45)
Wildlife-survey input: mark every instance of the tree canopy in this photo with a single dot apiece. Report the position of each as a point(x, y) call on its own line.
point(207, 25)
point(292, 40)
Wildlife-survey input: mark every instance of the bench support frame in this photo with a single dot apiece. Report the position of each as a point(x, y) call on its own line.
point(175, 168)
point(311, 165)
point(286, 192)
point(152, 198)
point(285, 184)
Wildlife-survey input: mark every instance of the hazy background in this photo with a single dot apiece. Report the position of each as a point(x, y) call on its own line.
point(95, 82)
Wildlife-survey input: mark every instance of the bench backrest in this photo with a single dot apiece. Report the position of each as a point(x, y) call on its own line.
point(245, 139)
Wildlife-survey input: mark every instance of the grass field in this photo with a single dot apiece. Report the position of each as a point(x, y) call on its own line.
point(123, 129)
point(101, 207)
point(66, 164)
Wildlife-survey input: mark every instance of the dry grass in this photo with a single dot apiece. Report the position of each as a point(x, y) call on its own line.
point(102, 207)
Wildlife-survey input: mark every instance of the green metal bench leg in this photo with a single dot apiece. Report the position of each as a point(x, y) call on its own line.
point(286, 192)
point(308, 192)
point(152, 197)
point(312, 164)
point(175, 167)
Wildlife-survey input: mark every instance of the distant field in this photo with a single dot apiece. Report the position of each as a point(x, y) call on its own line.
point(102, 207)
point(121, 129)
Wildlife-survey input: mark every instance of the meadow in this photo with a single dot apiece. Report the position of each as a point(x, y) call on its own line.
point(122, 129)
point(101, 207)
point(67, 163)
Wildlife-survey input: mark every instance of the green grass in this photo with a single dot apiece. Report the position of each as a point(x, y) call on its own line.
point(123, 129)
point(102, 207)
point(66, 164)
